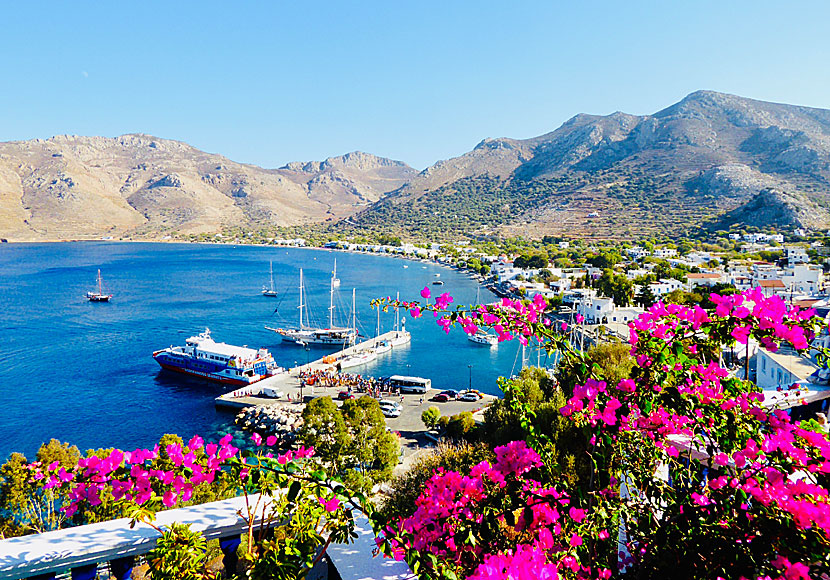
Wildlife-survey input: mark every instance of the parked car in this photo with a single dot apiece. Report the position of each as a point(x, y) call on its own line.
point(469, 396)
point(450, 393)
point(390, 412)
point(389, 403)
point(343, 395)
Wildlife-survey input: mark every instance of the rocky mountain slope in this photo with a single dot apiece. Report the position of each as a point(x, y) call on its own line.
point(712, 159)
point(710, 155)
point(139, 185)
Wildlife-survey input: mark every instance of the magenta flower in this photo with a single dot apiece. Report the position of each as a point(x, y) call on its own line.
point(425, 293)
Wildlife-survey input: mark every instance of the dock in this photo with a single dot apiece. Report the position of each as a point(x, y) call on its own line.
point(272, 391)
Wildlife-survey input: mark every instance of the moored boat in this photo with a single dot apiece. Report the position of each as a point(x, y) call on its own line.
point(483, 338)
point(270, 291)
point(99, 295)
point(306, 335)
point(357, 359)
point(217, 361)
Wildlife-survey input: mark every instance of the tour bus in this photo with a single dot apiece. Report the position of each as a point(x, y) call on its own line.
point(410, 384)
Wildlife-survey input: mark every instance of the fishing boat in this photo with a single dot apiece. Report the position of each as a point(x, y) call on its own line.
point(438, 282)
point(270, 291)
point(202, 357)
point(340, 336)
point(99, 295)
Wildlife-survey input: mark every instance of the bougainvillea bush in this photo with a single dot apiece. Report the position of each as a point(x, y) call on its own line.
point(293, 508)
point(691, 476)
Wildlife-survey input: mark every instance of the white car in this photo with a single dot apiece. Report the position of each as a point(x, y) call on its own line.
point(389, 403)
point(390, 412)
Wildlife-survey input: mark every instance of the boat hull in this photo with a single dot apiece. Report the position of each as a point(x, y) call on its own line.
point(214, 377)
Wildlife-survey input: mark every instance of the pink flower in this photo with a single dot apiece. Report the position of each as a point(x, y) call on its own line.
point(271, 441)
point(330, 505)
point(425, 293)
point(257, 439)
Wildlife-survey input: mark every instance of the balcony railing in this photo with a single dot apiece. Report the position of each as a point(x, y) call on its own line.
point(81, 549)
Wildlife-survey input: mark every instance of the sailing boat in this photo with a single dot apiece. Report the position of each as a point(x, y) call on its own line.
point(481, 336)
point(340, 336)
point(335, 281)
point(99, 295)
point(402, 336)
point(270, 291)
point(381, 346)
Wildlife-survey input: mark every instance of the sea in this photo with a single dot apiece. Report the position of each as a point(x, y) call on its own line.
point(83, 372)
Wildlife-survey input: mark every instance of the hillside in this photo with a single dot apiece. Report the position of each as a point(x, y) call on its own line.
point(711, 158)
point(143, 186)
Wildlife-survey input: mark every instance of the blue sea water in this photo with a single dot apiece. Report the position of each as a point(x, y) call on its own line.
point(83, 372)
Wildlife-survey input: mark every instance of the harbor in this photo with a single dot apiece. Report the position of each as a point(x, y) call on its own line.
point(279, 399)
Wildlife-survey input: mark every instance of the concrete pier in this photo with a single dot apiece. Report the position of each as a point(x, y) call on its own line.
point(263, 392)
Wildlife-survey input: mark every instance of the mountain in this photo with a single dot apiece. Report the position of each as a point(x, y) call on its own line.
point(139, 185)
point(711, 158)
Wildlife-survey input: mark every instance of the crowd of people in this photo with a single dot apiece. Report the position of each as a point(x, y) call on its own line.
point(373, 386)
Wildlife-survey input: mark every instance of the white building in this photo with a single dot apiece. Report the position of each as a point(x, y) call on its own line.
point(781, 369)
point(595, 309)
point(637, 253)
point(803, 279)
point(707, 279)
point(797, 255)
point(665, 253)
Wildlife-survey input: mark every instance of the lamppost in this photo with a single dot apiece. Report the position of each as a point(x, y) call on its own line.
point(470, 367)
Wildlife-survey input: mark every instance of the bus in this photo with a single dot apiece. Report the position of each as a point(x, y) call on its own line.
point(409, 384)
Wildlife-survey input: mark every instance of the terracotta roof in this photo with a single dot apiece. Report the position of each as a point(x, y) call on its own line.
point(771, 284)
point(704, 275)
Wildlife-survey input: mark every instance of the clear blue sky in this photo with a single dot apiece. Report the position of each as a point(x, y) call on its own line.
point(272, 82)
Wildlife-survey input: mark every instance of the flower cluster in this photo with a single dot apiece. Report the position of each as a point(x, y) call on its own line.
point(684, 453)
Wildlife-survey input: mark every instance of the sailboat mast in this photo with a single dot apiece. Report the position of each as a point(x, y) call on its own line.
point(100, 284)
point(272, 275)
point(354, 316)
point(300, 307)
point(331, 298)
point(377, 328)
point(397, 314)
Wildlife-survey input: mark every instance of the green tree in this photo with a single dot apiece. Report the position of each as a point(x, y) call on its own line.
point(324, 428)
point(372, 450)
point(646, 297)
point(430, 416)
point(25, 503)
point(616, 286)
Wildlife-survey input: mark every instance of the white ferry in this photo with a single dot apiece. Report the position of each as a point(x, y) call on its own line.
point(216, 361)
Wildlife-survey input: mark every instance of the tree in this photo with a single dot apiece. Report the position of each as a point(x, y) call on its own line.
point(430, 416)
point(26, 503)
point(460, 425)
point(371, 449)
point(646, 297)
point(325, 429)
point(616, 286)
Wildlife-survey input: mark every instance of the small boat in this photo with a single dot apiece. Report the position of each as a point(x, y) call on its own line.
point(438, 282)
point(383, 346)
point(335, 281)
point(483, 338)
point(357, 359)
point(270, 291)
point(402, 335)
point(99, 295)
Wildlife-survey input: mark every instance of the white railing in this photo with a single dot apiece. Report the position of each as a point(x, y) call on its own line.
point(81, 549)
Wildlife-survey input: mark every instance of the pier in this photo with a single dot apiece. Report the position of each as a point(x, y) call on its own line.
point(273, 389)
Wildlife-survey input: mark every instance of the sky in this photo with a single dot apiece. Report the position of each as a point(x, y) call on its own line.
point(273, 82)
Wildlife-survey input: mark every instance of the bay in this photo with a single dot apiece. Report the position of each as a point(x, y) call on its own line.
point(83, 372)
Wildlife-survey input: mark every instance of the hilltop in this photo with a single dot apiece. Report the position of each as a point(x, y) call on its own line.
point(140, 185)
point(710, 160)
point(712, 157)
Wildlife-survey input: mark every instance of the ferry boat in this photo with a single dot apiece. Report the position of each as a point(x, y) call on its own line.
point(340, 336)
point(99, 295)
point(216, 361)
